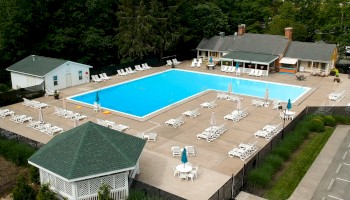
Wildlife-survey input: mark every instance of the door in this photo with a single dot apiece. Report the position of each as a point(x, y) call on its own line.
point(68, 80)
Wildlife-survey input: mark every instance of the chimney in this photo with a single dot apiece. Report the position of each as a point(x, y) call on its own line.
point(33, 56)
point(241, 29)
point(288, 33)
point(222, 35)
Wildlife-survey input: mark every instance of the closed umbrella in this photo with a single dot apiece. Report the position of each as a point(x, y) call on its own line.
point(266, 94)
point(289, 105)
point(76, 123)
point(41, 116)
point(229, 88)
point(64, 103)
point(97, 98)
point(212, 120)
point(184, 157)
point(237, 65)
point(211, 59)
point(239, 104)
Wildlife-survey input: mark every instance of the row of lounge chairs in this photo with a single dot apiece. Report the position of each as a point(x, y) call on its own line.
point(45, 127)
point(229, 97)
point(256, 72)
point(173, 61)
point(236, 115)
point(100, 77)
point(112, 125)
point(34, 104)
point(212, 133)
point(175, 122)
point(68, 114)
point(243, 151)
point(268, 131)
point(20, 118)
point(231, 69)
point(196, 63)
point(260, 103)
point(336, 96)
point(6, 112)
point(177, 151)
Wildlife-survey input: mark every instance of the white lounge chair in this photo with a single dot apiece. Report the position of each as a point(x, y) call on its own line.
point(193, 64)
point(259, 73)
point(175, 122)
point(130, 71)
point(198, 64)
point(234, 98)
point(95, 79)
point(276, 104)
point(104, 76)
point(209, 105)
point(97, 107)
point(263, 133)
point(49, 92)
point(224, 68)
point(336, 96)
point(150, 136)
point(169, 63)
point(252, 72)
point(147, 66)
point(119, 127)
point(190, 150)
point(176, 151)
point(24, 119)
point(123, 72)
point(143, 66)
point(120, 73)
point(175, 61)
point(238, 152)
point(191, 113)
point(221, 95)
point(231, 69)
point(6, 112)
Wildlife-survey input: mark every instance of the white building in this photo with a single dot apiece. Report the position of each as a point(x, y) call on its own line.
point(76, 163)
point(53, 73)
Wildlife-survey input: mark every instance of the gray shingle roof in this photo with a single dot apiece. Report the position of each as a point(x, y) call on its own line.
point(216, 43)
point(40, 67)
point(251, 57)
point(88, 150)
point(260, 43)
point(310, 51)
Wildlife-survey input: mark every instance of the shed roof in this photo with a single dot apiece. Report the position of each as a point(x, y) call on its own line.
point(89, 150)
point(216, 43)
point(36, 65)
point(250, 57)
point(310, 51)
point(260, 43)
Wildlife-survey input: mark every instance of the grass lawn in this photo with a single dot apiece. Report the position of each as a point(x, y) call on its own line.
point(301, 162)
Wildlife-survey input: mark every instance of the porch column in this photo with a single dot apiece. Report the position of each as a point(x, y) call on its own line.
point(197, 53)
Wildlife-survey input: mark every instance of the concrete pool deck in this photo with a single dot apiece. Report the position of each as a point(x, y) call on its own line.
point(156, 163)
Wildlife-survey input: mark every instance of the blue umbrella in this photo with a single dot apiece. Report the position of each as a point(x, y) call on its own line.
point(211, 59)
point(184, 157)
point(289, 105)
point(237, 65)
point(97, 99)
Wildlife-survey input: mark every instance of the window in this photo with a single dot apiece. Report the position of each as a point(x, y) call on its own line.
point(55, 80)
point(80, 75)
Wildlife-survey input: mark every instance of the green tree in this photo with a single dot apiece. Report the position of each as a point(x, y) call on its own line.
point(46, 194)
point(22, 190)
point(104, 193)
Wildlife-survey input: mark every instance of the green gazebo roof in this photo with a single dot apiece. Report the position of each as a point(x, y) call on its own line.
point(88, 150)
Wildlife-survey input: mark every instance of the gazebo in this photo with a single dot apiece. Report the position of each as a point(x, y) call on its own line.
point(77, 162)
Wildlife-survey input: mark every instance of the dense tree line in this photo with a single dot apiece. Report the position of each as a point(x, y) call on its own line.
point(107, 32)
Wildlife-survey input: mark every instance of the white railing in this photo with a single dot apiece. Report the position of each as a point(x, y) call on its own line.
point(120, 194)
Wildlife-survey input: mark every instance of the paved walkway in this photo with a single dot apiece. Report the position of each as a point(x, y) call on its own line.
point(215, 166)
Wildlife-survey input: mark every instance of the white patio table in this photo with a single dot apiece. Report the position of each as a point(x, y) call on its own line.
point(184, 168)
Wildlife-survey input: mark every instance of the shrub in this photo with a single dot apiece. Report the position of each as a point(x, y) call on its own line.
point(282, 151)
point(104, 193)
point(275, 161)
point(317, 125)
point(15, 151)
point(261, 177)
point(341, 119)
point(329, 121)
point(46, 194)
point(22, 190)
point(34, 175)
point(140, 195)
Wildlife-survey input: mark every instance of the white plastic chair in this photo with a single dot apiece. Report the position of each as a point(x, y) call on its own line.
point(176, 151)
point(190, 150)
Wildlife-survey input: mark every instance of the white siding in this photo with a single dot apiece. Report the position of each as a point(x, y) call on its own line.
point(62, 74)
point(23, 81)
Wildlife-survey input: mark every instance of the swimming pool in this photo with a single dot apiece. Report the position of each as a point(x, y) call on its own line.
point(146, 95)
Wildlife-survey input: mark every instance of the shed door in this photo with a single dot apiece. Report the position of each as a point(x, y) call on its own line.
point(68, 80)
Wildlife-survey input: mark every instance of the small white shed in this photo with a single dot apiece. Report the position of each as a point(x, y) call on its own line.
point(52, 72)
point(78, 162)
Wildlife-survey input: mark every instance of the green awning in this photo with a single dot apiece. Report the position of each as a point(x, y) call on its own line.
point(250, 57)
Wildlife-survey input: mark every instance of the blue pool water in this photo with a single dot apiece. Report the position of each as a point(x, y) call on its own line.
point(144, 96)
